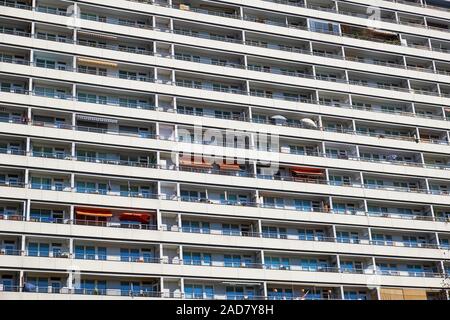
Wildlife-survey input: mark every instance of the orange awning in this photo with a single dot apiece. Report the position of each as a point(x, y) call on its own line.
point(225, 166)
point(307, 171)
point(96, 62)
point(132, 216)
point(93, 212)
point(195, 164)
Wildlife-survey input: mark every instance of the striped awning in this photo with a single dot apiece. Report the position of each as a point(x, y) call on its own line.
point(96, 35)
point(96, 62)
point(95, 119)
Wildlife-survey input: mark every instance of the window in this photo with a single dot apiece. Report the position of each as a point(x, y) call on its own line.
point(92, 287)
point(59, 184)
point(277, 263)
point(37, 284)
point(56, 250)
point(226, 114)
point(147, 255)
point(347, 237)
point(388, 268)
point(219, 62)
point(280, 294)
point(187, 57)
point(371, 156)
point(235, 293)
point(274, 202)
point(191, 226)
point(86, 187)
point(88, 253)
point(391, 109)
point(355, 295)
point(232, 261)
point(50, 92)
point(308, 264)
point(325, 27)
point(413, 241)
point(445, 243)
point(196, 258)
point(38, 249)
point(311, 235)
point(261, 93)
point(258, 118)
point(270, 232)
point(190, 84)
point(230, 229)
point(7, 282)
point(52, 37)
point(373, 184)
point(415, 270)
point(9, 247)
point(192, 195)
point(190, 110)
point(43, 63)
point(130, 75)
point(352, 266)
point(193, 291)
point(340, 180)
point(344, 208)
point(382, 239)
point(290, 96)
point(129, 255)
point(41, 183)
point(303, 205)
point(330, 101)
point(326, 77)
point(198, 291)
point(41, 215)
point(405, 185)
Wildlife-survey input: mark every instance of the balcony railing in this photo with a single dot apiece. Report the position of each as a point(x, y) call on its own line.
point(162, 295)
point(225, 232)
point(132, 105)
point(297, 4)
point(419, 4)
point(310, 76)
point(259, 176)
point(139, 25)
point(343, 105)
point(224, 264)
point(241, 173)
point(144, 293)
point(180, 83)
point(241, 264)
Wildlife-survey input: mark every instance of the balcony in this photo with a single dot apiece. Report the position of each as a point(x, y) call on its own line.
point(386, 184)
point(139, 102)
point(348, 31)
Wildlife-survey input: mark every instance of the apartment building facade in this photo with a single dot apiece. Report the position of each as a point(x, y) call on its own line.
point(194, 149)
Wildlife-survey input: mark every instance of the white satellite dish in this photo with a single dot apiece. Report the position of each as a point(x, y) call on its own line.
point(308, 122)
point(279, 118)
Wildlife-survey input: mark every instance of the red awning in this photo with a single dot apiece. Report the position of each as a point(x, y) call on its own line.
point(195, 164)
point(307, 171)
point(132, 216)
point(93, 212)
point(225, 166)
